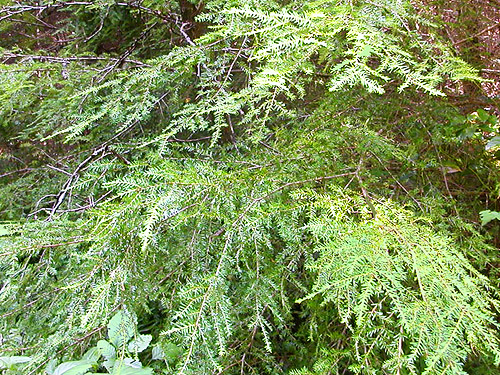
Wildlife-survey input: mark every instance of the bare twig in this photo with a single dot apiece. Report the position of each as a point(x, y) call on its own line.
point(495, 25)
point(127, 53)
point(67, 186)
point(18, 9)
point(58, 170)
point(56, 59)
point(24, 170)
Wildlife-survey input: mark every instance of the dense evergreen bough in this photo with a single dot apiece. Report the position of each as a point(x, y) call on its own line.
point(245, 187)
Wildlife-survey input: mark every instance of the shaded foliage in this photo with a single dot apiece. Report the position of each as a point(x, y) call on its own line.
point(262, 187)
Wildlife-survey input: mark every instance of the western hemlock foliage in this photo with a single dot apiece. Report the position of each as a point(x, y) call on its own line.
point(243, 187)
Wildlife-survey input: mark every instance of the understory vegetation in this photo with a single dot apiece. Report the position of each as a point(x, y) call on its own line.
point(249, 187)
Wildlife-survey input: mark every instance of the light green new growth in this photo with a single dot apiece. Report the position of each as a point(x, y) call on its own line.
point(260, 189)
